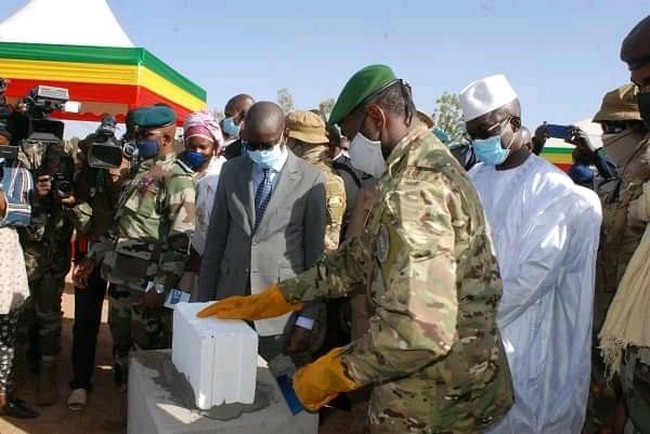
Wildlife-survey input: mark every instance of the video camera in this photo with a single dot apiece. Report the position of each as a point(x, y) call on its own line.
point(43, 100)
point(31, 118)
point(106, 129)
point(104, 149)
point(62, 186)
point(41, 138)
point(60, 168)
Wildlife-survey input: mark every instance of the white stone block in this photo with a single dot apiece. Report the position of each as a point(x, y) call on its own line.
point(155, 409)
point(218, 357)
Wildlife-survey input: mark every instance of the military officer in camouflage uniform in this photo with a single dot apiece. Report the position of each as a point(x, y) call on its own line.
point(308, 140)
point(46, 246)
point(432, 355)
point(145, 255)
point(622, 139)
point(621, 233)
point(635, 369)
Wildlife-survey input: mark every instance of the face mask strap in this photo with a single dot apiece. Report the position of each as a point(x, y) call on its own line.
point(408, 102)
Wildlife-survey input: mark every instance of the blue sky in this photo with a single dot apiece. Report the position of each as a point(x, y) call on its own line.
point(561, 56)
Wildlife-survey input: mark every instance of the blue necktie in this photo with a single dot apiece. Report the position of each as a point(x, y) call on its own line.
point(262, 196)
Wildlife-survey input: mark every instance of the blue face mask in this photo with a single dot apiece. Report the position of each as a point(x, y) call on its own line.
point(193, 159)
point(490, 151)
point(230, 128)
point(267, 158)
point(147, 148)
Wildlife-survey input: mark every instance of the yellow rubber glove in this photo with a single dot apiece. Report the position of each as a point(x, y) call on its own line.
point(267, 304)
point(320, 382)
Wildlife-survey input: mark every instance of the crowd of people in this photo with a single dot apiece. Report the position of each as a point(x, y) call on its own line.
point(426, 291)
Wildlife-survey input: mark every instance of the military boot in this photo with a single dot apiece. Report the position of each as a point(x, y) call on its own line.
point(47, 390)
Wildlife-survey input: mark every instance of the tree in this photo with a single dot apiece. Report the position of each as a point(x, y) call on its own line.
point(326, 106)
point(285, 100)
point(218, 114)
point(449, 118)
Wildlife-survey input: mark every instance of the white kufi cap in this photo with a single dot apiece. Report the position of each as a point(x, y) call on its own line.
point(486, 95)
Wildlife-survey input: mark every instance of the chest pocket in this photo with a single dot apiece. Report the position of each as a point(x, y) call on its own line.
point(145, 200)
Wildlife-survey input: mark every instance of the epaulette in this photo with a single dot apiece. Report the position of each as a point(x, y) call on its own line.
point(184, 167)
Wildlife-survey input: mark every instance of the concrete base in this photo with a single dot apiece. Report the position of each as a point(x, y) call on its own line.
point(154, 409)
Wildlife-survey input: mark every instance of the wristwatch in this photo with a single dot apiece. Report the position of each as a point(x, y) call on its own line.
point(159, 287)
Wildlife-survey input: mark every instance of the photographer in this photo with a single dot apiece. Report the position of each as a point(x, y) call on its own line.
point(91, 210)
point(46, 244)
point(15, 187)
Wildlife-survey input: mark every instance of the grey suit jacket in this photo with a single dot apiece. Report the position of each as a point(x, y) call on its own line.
point(239, 259)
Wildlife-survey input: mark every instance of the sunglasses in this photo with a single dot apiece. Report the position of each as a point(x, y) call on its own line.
point(612, 127)
point(492, 131)
point(261, 146)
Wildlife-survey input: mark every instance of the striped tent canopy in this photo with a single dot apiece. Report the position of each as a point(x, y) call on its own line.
point(106, 74)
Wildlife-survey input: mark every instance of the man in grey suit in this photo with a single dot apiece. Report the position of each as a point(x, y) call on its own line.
point(267, 225)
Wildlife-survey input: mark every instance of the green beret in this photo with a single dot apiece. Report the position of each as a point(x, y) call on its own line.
point(147, 118)
point(364, 84)
point(635, 50)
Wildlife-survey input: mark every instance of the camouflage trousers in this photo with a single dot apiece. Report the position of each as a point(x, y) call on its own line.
point(39, 324)
point(134, 329)
point(635, 379)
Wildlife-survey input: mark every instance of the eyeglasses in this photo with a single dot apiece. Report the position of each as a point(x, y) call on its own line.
point(261, 146)
point(612, 127)
point(492, 131)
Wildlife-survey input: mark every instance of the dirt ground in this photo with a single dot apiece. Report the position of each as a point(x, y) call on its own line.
point(105, 401)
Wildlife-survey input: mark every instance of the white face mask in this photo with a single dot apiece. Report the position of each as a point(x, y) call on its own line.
point(366, 156)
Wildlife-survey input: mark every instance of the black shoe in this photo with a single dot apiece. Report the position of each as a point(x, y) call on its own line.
point(18, 408)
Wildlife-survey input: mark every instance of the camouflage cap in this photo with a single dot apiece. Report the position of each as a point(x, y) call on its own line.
point(619, 105)
point(307, 127)
point(362, 85)
point(147, 118)
point(635, 50)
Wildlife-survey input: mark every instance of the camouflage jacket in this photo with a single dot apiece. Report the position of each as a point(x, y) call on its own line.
point(46, 241)
point(97, 198)
point(620, 236)
point(433, 352)
point(153, 226)
point(336, 203)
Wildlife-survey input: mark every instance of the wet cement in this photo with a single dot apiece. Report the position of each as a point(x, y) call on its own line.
point(172, 381)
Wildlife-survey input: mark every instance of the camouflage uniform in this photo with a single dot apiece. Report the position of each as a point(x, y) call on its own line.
point(621, 237)
point(425, 251)
point(149, 242)
point(335, 196)
point(46, 245)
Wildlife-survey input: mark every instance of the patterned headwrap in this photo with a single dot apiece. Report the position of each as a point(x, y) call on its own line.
point(203, 124)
